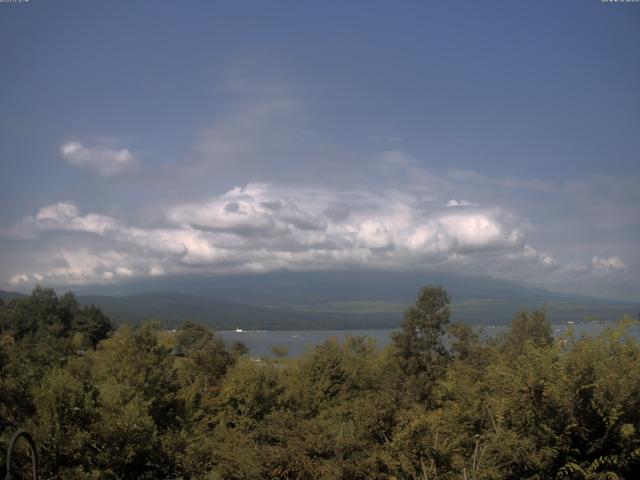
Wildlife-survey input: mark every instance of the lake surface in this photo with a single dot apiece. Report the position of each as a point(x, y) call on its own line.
point(261, 342)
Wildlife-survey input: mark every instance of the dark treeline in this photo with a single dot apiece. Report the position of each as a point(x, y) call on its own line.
point(143, 403)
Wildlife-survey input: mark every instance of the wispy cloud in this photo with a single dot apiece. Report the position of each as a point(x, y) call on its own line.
point(104, 161)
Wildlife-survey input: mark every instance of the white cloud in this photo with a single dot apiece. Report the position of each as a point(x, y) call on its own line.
point(18, 279)
point(235, 212)
point(462, 203)
point(478, 231)
point(65, 216)
point(608, 263)
point(104, 161)
point(61, 216)
point(373, 234)
point(156, 271)
point(90, 265)
point(262, 227)
point(124, 272)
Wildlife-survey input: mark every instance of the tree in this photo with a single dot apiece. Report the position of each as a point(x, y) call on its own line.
point(146, 403)
point(39, 315)
point(204, 361)
point(525, 327)
point(66, 411)
point(321, 377)
point(45, 315)
point(420, 352)
point(92, 323)
point(465, 342)
point(250, 391)
point(138, 403)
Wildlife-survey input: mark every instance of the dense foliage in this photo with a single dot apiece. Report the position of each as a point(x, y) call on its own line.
point(439, 402)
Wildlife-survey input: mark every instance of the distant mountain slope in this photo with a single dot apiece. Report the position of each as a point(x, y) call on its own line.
point(288, 288)
point(330, 300)
point(7, 296)
point(173, 308)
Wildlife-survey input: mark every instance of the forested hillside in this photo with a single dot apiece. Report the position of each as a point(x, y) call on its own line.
point(144, 403)
point(351, 299)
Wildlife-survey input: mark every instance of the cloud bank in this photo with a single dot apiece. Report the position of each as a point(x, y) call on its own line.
point(262, 227)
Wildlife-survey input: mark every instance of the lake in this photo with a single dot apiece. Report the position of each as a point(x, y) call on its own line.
point(261, 342)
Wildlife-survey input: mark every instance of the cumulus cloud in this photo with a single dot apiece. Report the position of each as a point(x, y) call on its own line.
point(477, 231)
point(337, 212)
point(462, 203)
point(18, 279)
point(262, 227)
point(104, 161)
point(90, 265)
point(61, 216)
point(373, 235)
point(608, 263)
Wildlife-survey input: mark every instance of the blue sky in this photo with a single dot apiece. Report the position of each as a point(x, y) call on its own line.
point(170, 138)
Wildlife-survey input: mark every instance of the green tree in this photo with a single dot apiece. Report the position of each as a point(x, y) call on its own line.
point(528, 327)
point(321, 377)
point(91, 323)
point(45, 315)
point(65, 405)
point(39, 315)
point(249, 392)
point(203, 360)
point(138, 404)
point(420, 352)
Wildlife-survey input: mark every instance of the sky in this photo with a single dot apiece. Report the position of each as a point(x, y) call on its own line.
point(142, 139)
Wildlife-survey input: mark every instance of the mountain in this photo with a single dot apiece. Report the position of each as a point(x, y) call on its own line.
point(327, 300)
point(172, 309)
point(285, 287)
point(8, 296)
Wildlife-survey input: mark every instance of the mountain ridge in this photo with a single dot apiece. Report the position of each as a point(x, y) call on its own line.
point(329, 300)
